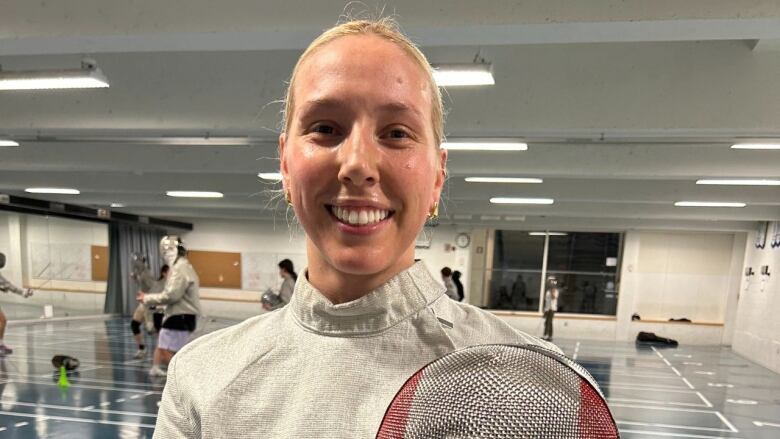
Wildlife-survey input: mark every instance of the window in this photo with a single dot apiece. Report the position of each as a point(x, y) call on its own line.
point(586, 266)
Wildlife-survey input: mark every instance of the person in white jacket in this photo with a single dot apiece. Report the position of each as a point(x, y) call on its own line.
point(7, 287)
point(182, 303)
point(363, 168)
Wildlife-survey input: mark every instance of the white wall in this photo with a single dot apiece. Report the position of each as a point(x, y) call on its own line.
point(683, 275)
point(270, 237)
point(757, 328)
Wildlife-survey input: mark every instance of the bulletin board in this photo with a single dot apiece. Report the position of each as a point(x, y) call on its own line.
point(217, 269)
point(99, 263)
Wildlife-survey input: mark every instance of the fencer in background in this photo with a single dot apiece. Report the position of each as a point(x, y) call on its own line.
point(182, 303)
point(8, 287)
point(144, 315)
point(550, 307)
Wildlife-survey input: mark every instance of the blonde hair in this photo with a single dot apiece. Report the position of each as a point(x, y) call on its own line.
point(385, 28)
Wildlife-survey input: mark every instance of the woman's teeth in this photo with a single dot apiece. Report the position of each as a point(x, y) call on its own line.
point(359, 217)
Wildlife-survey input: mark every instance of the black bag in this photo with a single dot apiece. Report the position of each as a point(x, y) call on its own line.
point(651, 338)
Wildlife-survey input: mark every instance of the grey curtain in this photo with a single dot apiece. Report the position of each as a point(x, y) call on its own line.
point(123, 241)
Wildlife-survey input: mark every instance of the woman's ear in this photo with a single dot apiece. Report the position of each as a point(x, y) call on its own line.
point(283, 161)
point(441, 174)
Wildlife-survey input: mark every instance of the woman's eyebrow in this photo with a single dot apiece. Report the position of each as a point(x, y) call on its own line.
point(324, 104)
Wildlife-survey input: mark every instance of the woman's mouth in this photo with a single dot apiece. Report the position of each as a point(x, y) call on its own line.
point(359, 216)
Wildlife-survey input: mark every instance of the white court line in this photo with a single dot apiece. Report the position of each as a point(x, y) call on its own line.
point(631, 385)
point(679, 427)
point(706, 401)
point(89, 408)
point(726, 421)
point(21, 424)
point(665, 434)
point(576, 351)
point(82, 420)
point(765, 424)
point(667, 362)
point(704, 372)
point(649, 401)
point(135, 396)
point(82, 386)
point(105, 403)
point(120, 400)
point(2, 429)
point(685, 380)
point(676, 371)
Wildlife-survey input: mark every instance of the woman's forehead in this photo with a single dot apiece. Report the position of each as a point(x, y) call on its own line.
point(363, 69)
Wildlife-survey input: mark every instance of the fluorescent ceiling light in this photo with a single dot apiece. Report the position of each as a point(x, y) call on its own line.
point(484, 145)
point(508, 200)
point(756, 146)
point(707, 204)
point(116, 205)
point(197, 141)
point(194, 194)
point(454, 75)
point(272, 176)
point(503, 180)
point(547, 233)
point(52, 190)
point(739, 182)
point(88, 76)
point(8, 143)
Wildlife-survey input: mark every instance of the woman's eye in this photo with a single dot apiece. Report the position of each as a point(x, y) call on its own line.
point(398, 134)
point(323, 129)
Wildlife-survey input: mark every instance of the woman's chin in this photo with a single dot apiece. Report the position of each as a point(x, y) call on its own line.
point(359, 262)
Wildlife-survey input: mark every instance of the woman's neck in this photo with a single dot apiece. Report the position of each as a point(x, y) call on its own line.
point(342, 287)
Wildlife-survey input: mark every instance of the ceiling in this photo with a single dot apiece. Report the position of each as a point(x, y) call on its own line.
point(624, 104)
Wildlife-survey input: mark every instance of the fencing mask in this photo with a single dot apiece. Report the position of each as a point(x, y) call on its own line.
point(500, 391)
point(2, 259)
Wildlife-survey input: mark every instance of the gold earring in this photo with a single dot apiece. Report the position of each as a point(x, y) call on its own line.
point(434, 212)
point(287, 197)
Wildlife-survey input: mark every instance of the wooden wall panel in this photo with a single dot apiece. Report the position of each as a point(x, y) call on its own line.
point(99, 263)
point(217, 269)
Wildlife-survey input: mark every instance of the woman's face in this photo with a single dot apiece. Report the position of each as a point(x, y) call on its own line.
point(359, 158)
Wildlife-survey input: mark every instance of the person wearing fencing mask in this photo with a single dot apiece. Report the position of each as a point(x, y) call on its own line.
point(363, 125)
point(7, 287)
point(181, 299)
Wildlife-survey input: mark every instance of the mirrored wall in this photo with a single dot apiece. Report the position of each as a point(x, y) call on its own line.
point(586, 267)
point(64, 263)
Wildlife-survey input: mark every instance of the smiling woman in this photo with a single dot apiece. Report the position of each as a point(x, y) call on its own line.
point(363, 168)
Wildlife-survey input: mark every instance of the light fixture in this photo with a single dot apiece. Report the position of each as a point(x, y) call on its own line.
point(739, 182)
point(484, 145)
point(271, 176)
point(756, 146)
point(52, 190)
point(117, 205)
point(509, 200)
point(6, 142)
point(708, 204)
point(503, 180)
point(548, 234)
point(197, 141)
point(455, 75)
point(88, 76)
point(194, 194)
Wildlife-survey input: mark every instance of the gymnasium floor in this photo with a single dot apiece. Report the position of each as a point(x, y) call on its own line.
point(689, 392)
